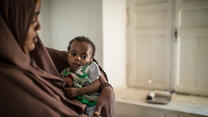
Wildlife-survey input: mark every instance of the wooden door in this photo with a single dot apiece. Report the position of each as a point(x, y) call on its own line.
point(149, 43)
point(192, 23)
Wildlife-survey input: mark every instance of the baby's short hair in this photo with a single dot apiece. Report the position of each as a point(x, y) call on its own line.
point(83, 39)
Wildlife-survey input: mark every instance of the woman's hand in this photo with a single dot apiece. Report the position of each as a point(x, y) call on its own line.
point(105, 102)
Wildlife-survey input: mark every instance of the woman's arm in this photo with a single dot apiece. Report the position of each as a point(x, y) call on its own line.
point(94, 87)
point(58, 57)
point(105, 102)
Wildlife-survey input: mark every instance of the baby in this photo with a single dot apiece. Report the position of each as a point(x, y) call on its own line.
point(83, 73)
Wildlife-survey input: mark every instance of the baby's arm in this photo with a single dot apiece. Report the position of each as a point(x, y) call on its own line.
point(95, 86)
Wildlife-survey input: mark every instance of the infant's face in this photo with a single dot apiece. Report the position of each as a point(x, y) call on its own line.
point(80, 53)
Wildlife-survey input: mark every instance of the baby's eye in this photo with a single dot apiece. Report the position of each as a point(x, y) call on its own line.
point(83, 56)
point(73, 54)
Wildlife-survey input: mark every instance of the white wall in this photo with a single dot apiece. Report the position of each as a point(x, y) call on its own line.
point(114, 41)
point(104, 21)
point(62, 20)
point(45, 20)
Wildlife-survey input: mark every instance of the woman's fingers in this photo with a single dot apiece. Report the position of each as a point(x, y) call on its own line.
point(105, 103)
point(96, 113)
point(98, 108)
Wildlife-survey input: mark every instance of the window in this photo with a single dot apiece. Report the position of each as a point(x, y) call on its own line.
point(168, 45)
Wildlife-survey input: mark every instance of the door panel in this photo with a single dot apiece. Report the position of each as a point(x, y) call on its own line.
point(149, 43)
point(193, 46)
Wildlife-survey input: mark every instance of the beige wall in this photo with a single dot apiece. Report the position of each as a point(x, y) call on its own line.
point(114, 41)
point(104, 21)
point(62, 20)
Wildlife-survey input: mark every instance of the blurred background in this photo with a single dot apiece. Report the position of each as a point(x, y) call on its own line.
point(143, 45)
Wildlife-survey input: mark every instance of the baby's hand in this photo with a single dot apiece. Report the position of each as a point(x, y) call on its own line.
point(72, 92)
point(68, 81)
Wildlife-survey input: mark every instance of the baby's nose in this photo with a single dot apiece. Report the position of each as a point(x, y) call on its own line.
point(78, 58)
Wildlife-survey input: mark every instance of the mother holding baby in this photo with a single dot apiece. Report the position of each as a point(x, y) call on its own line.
point(30, 82)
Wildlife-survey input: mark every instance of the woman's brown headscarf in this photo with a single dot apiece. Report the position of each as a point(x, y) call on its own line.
point(29, 85)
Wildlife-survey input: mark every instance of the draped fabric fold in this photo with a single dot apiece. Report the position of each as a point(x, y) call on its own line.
point(29, 83)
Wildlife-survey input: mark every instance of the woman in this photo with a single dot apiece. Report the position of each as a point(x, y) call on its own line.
point(29, 72)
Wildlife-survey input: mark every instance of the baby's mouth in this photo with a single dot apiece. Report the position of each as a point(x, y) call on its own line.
point(76, 65)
